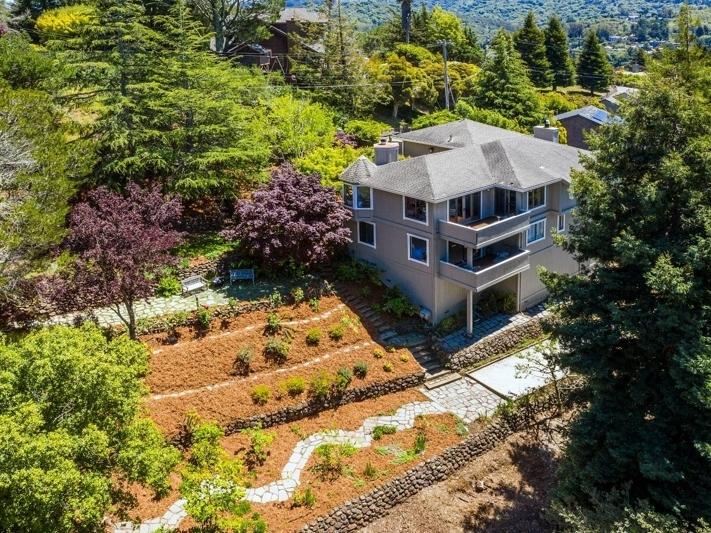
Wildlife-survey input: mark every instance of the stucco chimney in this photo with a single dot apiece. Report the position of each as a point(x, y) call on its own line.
point(386, 152)
point(545, 132)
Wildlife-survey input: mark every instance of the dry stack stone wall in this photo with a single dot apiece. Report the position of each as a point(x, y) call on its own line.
point(315, 406)
point(494, 345)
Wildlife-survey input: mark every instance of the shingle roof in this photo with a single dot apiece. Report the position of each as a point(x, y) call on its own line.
point(457, 134)
point(299, 13)
point(592, 113)
point(512, 160)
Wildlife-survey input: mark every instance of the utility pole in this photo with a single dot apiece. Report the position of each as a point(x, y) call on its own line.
point(444, 44)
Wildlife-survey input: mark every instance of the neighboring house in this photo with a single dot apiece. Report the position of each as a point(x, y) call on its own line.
point(471, 210)
point(617, 94)
point(579, 121)
point(273, 53)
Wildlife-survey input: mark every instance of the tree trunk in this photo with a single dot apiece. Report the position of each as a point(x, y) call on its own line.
point(131, 320)
point(395, 108)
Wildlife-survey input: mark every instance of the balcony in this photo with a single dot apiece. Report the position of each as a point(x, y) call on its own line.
point(485, 231)
point(502, 263)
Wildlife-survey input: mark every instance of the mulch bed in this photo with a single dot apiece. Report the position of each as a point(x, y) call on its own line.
point(281, 517)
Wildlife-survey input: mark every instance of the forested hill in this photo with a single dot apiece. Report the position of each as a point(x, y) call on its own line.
point(486, 16)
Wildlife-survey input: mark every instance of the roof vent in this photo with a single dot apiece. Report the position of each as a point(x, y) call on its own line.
point(547, 123)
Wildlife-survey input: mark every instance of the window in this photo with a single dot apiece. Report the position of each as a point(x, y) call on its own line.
point(418, 249)
point(416, 210)
point(536, 198)
point(505, 202)
point(366, 233)
point(536, 232)
point(365, 197)
point(561, 223)
point(465, 208)
point(348, 195)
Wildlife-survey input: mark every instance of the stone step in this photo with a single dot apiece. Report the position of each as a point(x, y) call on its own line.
point(431, 365)
point(366, 312)
point(388, 334)
point(419, 348)
point(422, 359)
point(382, 328)
point(403, 342)
point(443, 378)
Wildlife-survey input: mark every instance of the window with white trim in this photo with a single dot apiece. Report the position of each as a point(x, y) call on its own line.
point(348, 195)
point(366, 233)
point(415, 210)
point(357, 196)
point(364, 197)
point(536, 232)
point(536, 197)
point(418, 249)
point(561, 223)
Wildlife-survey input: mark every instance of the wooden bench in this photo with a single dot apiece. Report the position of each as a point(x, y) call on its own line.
point(241, 273)
point(193, 283)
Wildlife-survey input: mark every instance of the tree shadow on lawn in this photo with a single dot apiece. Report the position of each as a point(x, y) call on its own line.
point(518, 505)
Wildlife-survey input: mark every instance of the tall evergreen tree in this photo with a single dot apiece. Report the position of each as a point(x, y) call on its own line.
point(503, 85)
point(530, 42)
point(594, 70)
point(637, 326)
point(556, 41)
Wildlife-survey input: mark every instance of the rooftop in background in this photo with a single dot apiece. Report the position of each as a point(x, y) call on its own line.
point(592, 113)
point(483, 156)
point(616, 95)
point(299, 14)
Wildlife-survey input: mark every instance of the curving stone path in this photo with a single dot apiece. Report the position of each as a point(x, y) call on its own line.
point(283, 489)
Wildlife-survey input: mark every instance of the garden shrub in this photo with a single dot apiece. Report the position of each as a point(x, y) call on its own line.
point(259, 442)
point(320, 384)
point(420, 442)
point(313, 337)
point(336, 332)
point(378, 353)
point(260, 394)
point(273, 323)
point(305, 498)
point(203, 317)
point(379, 431)
point(369, 471)
point(343, 378)
point(245, 355)
point(295, 385)
point(360, 369)
point(329, 459)
point(168, 286)
point(397, 303)
point(358, 271)
point(404, 358)
point(277, 349)
point(449, 324)
point(367, 132)
point(314, 304)
point(276, 299)
point(388, 366)
point(179, 318)
point(297, 293)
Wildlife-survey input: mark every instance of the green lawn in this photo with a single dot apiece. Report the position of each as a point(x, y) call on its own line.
point(209, 245)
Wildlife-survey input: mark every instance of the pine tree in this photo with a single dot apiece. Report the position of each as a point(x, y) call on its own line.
point(594, 70)
point(637, 326)
point(556, 41)
point(503, 85)
point(530, 42)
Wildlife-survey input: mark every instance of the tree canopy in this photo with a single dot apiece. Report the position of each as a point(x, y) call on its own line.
point(72, 437)
point(594, 69)
point(556, 41)
point(637, 325)
point(530, 42)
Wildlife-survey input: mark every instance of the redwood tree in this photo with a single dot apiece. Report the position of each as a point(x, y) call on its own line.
point(121, 245)
point(292, 221)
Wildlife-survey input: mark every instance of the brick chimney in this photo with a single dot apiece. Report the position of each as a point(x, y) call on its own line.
point(386, 151)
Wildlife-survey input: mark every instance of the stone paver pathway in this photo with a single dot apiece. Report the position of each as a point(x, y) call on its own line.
point(283, 489)
point(466, 398)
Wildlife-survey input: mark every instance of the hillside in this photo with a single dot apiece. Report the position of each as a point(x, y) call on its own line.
point(486, 16)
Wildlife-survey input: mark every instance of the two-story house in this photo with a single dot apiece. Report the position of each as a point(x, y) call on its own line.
point(473, 208)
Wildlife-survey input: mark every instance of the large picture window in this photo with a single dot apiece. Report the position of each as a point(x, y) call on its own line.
point(465, 208)
point(418, 249)
point(536, 232)
point(536, 198)
point(416, 210)
point(366, 233)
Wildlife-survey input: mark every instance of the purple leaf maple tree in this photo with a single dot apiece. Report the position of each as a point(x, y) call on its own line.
point(121, 247)
point(292, 221)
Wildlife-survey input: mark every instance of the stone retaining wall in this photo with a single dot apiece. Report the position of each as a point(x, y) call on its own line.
point(367, 508)
point(315, 406)
point(494, 345)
